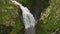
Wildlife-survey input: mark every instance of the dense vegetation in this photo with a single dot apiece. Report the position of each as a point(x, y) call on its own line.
point(10, 19)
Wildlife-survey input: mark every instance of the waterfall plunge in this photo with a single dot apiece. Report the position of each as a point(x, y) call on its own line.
point(28, 19)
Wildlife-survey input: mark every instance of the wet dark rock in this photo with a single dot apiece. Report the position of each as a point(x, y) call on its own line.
point(4, 29)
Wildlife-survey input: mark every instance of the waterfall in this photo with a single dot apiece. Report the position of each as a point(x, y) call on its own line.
point(28, 19)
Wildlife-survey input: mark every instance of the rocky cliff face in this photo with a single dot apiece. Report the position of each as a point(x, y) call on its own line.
point(47, 11)
point(50, 19)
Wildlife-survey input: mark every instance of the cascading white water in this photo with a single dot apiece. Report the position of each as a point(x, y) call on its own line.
point(28, 18)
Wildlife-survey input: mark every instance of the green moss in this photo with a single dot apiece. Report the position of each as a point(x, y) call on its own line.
point(6, 4)
point(18, 27)
point(53, 20)
point(6, 16)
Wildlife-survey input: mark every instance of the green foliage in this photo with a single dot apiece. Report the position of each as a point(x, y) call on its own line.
point(51, 18)
point(18, 27)
point(26, 3)
point(6, 16)
point(4, 29)
point(6, 4)
point(49, 23)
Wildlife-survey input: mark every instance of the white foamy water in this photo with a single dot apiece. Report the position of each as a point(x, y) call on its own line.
point(28, 18)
